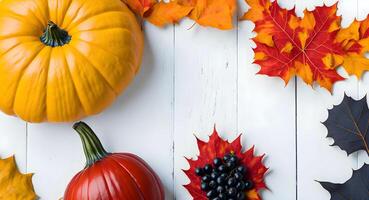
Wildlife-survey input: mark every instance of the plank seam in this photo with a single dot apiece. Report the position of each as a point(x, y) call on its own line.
point(237, 75)
point(26, 147)
point(173, 111)
point(296, 141)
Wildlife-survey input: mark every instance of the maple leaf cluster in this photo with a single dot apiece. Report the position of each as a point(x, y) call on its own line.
point(217, 147)
point(311, 47)
point(213, 13)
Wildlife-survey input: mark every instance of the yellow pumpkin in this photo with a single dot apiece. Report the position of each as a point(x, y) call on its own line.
point(61, 60)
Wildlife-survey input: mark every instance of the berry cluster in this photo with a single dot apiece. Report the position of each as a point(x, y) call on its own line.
point(224, 179)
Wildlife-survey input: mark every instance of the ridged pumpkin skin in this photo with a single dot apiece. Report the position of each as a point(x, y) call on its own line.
point(118, 176)
point(111, 176)
point(40, 83)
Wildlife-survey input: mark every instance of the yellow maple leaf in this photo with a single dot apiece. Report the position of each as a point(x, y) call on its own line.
point(355, 41)
point(164, 13)
point(13, 184)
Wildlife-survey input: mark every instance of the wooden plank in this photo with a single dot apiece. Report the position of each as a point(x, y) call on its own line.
point(54, 155)
point(13, 140)
point(266, 114)
point(363, 11)
point(140, 122)
point(317, 160)
point(205, 91)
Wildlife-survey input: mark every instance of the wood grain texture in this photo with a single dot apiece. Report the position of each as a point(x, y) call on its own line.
point(317, 160)
point(13, 140)
point(191, 79)
point(266, 116)
point(205, 91)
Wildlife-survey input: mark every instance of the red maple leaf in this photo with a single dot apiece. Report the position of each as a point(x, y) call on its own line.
point(217, 147)
point(288, 45)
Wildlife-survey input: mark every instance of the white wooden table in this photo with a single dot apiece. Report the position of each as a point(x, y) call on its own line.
point(190, 80)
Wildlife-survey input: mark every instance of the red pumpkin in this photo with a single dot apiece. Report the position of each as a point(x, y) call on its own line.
point(111, 176)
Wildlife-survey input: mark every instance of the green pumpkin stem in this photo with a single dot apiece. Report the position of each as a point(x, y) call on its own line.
point(54, 36)
point(94, 151)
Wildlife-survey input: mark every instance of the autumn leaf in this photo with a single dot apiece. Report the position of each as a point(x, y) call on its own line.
point(287, 45)
point(355, 41)
point(348, 125)
point(356, 188)
point(164, 13)
point(216, 147)
point(140, 7)
point(13, 184)
point(213, 13)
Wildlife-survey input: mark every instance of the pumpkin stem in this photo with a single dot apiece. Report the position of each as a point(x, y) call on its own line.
point(94, 151)
point(54, 36)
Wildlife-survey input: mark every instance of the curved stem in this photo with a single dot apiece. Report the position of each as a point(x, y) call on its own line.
point(54, 36)
point(94, 151)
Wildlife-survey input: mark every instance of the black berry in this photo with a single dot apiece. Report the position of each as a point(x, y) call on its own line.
point(222, 168)
point(222, 196)
point(214, 175)
point(199, 171)
point(206, 178)
point(208, 168)
point(212, 184)
point(204, 186)
point(233, 159)
point(232, 192)
point(238, 176)
point(221, 180)
point(241, 196)
point(231, 181)
point(226, 157)
point(240, 186)
point(249, 185)
point(217, 162)
point(220, 189)
point(230, 165)
point(241, 169)
point(211, 194)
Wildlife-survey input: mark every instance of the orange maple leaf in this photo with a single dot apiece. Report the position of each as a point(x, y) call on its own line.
point(214, 13)
point(164, 13)
point(355, 41)
point(217, 147)
point(140, 7)
point(288, 45)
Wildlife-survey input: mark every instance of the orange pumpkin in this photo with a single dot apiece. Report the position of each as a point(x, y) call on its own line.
point(61, 60)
